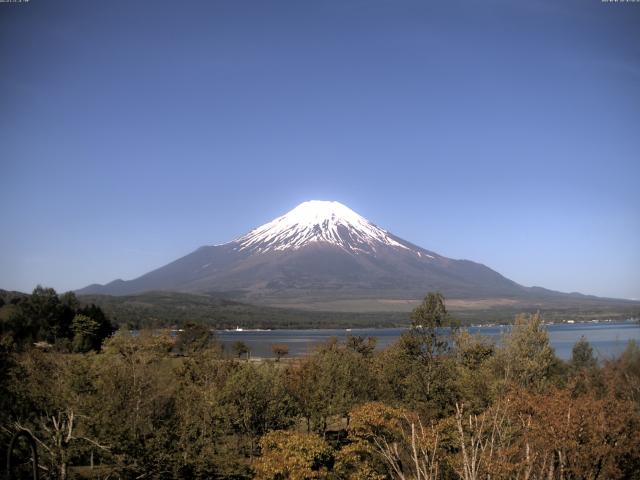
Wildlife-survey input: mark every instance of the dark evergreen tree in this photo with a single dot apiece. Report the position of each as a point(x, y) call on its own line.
point(104, 329)
point(426, 348)
point(426, 338)
point(43, 312)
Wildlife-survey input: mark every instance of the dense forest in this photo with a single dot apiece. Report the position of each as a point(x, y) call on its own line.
point(430, 406)
point(164, 309)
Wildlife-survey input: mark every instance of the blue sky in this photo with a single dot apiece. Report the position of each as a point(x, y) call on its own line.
point(503, 132)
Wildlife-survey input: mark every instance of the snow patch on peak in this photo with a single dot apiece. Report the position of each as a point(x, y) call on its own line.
point(318, 221)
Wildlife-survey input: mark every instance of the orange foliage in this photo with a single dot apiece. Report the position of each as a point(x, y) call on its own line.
point(555, 435)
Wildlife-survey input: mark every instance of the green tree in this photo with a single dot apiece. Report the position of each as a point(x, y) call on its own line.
point(474, 378)
point(206, 445)
point(393, 368)
point(105, 326)
point(426, 339)
point(240, 348)
point(527, 358)
point(45, 316)
point(85, 332)
point(136, 383)
point(69, 301)
point(195, 338)
point(423, 360)
point(622, 374)
point(582, 356)
point(40, 317)
point(361, 345)
point(258, 401)
point(329, 383)
point(56, 394)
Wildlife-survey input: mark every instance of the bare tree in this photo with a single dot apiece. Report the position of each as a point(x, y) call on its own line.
point(407, 447)
point(59, 437)
point(479, 438)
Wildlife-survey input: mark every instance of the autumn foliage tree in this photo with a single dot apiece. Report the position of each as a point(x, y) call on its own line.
point(439, 403)
point(290, 455)
point(575, 437)
point(407, 448)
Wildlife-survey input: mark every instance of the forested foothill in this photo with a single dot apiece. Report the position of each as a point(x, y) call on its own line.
point(430, 406)
point(158, 309)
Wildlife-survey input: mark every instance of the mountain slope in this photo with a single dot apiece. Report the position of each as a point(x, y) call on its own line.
point(318, 252)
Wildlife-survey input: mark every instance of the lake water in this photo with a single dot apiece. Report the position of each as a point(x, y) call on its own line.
point(607, 339)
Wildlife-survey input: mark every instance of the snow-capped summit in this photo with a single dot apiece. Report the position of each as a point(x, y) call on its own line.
point(318, 221)
point(320, 251)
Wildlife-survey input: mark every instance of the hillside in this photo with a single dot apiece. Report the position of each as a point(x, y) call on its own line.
point(168, 309)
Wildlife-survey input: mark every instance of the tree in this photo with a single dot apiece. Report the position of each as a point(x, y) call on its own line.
point(53, 319)
point(364, 347)
point(45, 316)
point(241, 348)
point(195, 338)
point(257, 401)
point(475, 377)
point(288, 455)
point(583, 372)
point(478, 441)
point(105, 326)
point(85, 332)
point(280, 350)
point(57, 395)
point(41, 317)
point(582, 357)
point(472, 351)
point(424, 339)
point(562, 436)
point(136, 415)
point(329, 383)
point(527, 357)
point(398, 438)
point(423, 368)
point(359, 461)
point(391, 368)
point(622, 375)
point(205, 445)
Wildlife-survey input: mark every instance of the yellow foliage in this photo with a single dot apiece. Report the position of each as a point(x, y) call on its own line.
point(356, 461)
point(292, 456)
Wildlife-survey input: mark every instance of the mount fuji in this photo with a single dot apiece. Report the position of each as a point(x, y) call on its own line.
point(322, 252)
